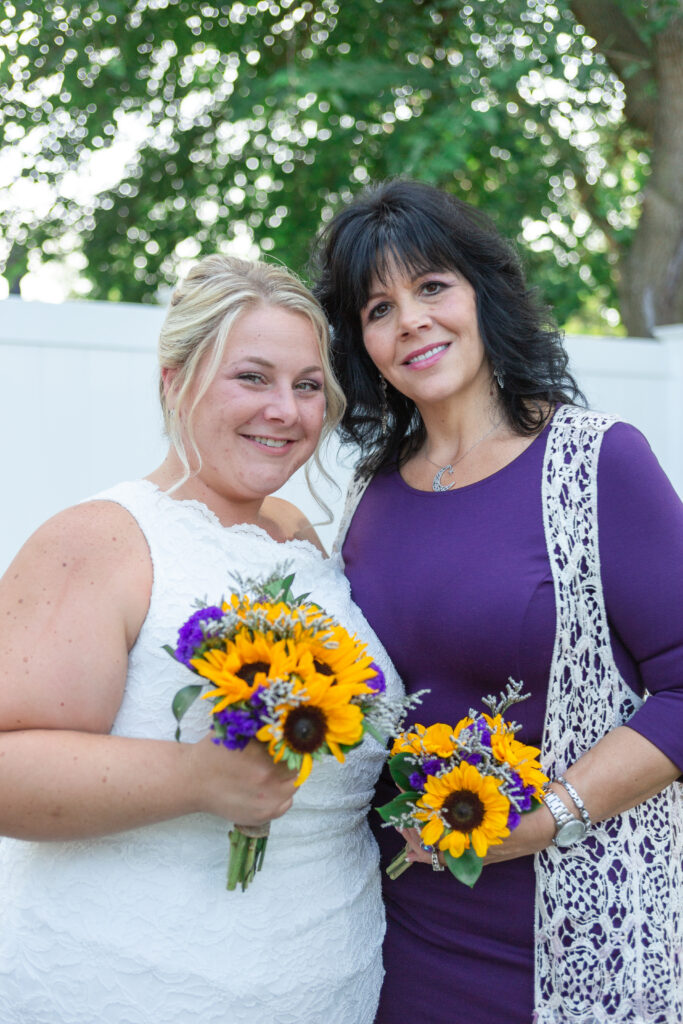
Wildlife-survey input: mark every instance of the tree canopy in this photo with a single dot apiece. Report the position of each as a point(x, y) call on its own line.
point(564, 121)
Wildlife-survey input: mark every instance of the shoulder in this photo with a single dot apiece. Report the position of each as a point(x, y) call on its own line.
point(95, 531)
point(95, 548)
point(628, 467)
point(287, 522)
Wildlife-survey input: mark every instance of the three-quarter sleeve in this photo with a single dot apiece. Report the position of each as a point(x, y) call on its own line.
point(640, 522)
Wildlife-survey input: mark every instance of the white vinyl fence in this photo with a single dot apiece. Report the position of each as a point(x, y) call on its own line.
point(80, 409)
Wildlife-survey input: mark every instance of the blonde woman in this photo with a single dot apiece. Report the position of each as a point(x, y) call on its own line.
point(112, 895)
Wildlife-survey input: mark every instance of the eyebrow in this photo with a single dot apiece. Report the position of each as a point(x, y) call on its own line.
point(266, 362)
point(412, 277)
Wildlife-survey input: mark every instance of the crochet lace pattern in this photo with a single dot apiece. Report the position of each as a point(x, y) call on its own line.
point(609, 930)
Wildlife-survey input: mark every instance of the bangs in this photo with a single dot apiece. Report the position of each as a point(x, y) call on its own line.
point(390, 239)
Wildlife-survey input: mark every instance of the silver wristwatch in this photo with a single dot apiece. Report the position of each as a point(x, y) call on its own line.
point(568, 829)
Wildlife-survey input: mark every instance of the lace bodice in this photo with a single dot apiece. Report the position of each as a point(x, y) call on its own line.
point(138, 927)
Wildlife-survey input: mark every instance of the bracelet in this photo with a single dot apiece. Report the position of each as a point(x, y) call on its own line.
point(581, 807)
point(435, 862)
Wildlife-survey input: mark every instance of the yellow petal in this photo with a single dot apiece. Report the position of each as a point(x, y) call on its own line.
point(305, 770)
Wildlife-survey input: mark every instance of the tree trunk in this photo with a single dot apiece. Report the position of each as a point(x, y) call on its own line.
point(651, 285)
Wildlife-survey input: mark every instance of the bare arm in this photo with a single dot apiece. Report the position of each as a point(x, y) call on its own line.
point(71, 606)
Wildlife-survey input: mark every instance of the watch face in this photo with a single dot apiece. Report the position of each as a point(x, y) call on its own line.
point(570, 833)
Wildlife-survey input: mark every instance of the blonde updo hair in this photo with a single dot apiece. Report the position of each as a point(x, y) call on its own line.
point(204, 308)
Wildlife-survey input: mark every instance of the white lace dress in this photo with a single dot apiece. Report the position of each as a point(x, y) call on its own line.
point(138, 927)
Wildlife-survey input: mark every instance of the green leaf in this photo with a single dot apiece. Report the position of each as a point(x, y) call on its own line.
point(400, 807)
point(402, 767)
point(183, 700)
point(376, 734)
point(466, 868)
point(169, 650)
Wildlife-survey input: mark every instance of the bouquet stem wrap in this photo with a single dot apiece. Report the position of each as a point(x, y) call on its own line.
point(247, 850)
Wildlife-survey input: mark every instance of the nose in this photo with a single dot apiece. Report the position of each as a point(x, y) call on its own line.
point(412, 316)
point(282, 406)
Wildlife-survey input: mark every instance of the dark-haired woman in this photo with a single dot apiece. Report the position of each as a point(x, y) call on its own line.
point(498, 529)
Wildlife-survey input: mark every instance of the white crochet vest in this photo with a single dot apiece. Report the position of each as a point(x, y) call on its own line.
point(609, 922)
point(609, 913)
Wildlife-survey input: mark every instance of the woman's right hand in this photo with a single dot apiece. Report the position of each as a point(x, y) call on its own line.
point(71, 606)
point(243, 786)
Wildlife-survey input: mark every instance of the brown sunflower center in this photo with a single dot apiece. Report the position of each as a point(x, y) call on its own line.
point(304, 729)
point(463, 810)
point(249, 670)
point(322, 668)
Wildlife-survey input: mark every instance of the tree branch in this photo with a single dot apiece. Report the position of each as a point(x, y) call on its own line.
point(627, 54)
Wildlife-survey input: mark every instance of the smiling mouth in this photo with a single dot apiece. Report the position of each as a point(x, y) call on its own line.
point(269, 442)
point(426, 354)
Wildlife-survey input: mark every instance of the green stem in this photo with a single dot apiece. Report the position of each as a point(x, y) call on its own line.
point(238, 851)
point(246, 858)
point(399, 864)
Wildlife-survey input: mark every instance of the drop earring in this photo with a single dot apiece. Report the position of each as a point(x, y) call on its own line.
point(500, 377)
point(384, 425)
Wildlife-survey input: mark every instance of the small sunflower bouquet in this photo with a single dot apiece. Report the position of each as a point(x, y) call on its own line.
point(464, 788)
point(280, 670)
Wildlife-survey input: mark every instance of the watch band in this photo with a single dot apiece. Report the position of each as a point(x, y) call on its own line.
point(569, 829)
point(581, 807)
point(560, 813)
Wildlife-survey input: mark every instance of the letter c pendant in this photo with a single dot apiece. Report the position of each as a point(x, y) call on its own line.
point(436, 482)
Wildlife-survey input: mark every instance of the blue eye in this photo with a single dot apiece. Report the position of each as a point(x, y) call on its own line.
point(251, 377)
point(309, 385)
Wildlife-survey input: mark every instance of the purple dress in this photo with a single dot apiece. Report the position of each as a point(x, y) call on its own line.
point(459, 589)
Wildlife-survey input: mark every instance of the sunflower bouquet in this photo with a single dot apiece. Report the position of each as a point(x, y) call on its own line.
point(464, 787)
point(279, 669)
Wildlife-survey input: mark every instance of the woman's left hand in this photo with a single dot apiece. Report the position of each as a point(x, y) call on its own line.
point(534, 832)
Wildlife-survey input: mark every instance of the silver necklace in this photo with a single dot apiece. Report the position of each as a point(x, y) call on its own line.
point(436, 482)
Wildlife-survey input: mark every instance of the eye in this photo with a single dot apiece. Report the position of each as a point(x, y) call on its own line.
point(308, 386)
point(433, 287)
point(378, 311)
point(251, 377)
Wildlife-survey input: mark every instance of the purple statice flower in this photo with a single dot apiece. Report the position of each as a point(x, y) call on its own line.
point(473, 758)
point(378, 683)
point(240, 726)
point(416, 780)
point(191, 634)
point(513, 818)
point(257, 704)
point(521, 793)
point(432, 766)
point(480, 725)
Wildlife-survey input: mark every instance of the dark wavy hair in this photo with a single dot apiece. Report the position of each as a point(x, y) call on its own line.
point(421, 229)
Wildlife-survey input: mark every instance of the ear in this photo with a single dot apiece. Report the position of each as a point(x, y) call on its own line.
point(168, 376)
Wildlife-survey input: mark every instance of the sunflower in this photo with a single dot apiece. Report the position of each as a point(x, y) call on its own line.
point(409, 742)
point(461, 809)
point(522, 758)
point(246, 662)
point(322, 721)
point(438, 739)
point(336, 653)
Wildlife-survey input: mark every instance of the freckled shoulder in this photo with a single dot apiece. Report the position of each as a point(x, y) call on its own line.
point(95, 547)
point(95, 532)
point(81, 584)
point(285, 521)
